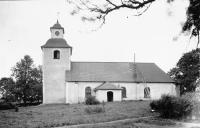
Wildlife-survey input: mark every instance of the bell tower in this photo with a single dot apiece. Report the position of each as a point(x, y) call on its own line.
point(57, 31)
point(55, 61)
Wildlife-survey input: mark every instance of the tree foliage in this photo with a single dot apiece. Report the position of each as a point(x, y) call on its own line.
point(28, 80)
point(7, 89)
point(186, 71)
point(192, 23)
point(193, 19)
point(169, 106)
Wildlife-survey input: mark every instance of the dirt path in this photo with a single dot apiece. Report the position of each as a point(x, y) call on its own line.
point(178, 124)
point(190, 125)
point(116, 121)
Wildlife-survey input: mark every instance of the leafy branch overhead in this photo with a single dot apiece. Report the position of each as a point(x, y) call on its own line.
point(192, 23)
point(101, 8)
point(193, 19)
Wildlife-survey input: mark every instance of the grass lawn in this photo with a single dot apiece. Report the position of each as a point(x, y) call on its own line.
point(61, 115)
point(65, 115)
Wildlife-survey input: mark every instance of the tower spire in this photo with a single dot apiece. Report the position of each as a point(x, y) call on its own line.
point(57, 17)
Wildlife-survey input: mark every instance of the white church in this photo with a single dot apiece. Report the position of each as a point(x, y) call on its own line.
point(70, 82)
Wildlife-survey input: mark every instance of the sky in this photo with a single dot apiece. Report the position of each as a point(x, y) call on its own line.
point(25, 27)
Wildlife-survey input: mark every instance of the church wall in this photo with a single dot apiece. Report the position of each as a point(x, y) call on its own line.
point(134, 91)
point(157, 89)
point(54, 85)
point(131, 90)
point(76, 93)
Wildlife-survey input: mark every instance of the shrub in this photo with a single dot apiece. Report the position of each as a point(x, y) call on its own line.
point(7, 105)
point(174, 107)
point(91, 100)
point(96, 109)
point(154, 104)
point(194, 99)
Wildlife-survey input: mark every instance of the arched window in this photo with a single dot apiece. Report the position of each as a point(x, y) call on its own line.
point(123, 92)
point(56, 54)
point(87, 91)
point(146, 92)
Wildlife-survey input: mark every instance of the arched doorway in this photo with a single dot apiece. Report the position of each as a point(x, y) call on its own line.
point(109, 96)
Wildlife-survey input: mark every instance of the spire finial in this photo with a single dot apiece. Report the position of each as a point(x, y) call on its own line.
point(57, 17)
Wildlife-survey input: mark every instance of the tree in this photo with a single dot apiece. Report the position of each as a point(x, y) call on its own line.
point(37, 86)
point(28, 79)
point(192, 23)
point(7, 89)
point(186, 71)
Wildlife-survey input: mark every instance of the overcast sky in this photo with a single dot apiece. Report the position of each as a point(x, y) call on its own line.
point(25, 26)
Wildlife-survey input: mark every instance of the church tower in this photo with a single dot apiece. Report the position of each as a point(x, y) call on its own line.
point(56, 60)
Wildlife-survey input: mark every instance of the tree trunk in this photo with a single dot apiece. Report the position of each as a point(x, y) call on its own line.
point(24, 98)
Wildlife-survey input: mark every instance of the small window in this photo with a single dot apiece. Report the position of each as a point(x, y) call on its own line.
point(123, 92)
point(146, 92)
point(87, 92)
point(56, 54)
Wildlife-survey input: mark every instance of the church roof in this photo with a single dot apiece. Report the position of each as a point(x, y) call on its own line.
point(57, 26)
point(56, 43)
point(107, 86)
point(116, 72)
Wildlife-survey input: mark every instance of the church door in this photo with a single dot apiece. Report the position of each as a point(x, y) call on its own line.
point(109, 96)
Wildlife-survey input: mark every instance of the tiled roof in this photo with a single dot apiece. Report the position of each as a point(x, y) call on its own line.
point(56, 43)
point(107, 86)
point(116, 72)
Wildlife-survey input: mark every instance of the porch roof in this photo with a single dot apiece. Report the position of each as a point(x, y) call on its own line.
point(107, 86)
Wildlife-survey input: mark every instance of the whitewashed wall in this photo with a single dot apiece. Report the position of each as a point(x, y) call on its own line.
point(54, 85)
point(76, 91)
point(157, 89)
point(131, 90)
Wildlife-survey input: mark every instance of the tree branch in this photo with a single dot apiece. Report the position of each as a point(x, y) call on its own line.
point(109, 7)
point(197, 38)
point(111, 3)
point(143, 11)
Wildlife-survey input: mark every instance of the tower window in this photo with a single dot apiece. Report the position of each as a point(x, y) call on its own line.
point(56, 54)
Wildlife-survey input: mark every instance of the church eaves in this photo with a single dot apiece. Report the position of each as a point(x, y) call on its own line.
point(56, 43)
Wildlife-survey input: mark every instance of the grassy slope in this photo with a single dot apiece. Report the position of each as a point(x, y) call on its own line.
point(61, 115)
